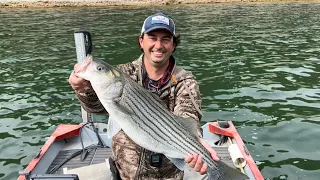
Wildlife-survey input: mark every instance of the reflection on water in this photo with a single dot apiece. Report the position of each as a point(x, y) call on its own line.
point(257, 65)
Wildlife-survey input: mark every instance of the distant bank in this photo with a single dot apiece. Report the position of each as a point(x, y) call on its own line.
point(83, 3)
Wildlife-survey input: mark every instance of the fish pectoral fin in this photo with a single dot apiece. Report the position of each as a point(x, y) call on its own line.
point(113, 127)
point(191, 124)
point(117, 114)
point(179, 163)
point(121, 110)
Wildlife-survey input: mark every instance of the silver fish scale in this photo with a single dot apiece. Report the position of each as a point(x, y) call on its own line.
point(151, 128)
point(155, 118)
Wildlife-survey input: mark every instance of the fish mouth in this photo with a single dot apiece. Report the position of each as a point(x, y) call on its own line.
point(84, 66)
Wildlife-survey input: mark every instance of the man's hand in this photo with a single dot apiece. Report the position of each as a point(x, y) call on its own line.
point(78, 84)
point(195, 160)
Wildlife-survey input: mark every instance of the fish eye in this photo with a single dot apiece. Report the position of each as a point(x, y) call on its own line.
point(99, 68)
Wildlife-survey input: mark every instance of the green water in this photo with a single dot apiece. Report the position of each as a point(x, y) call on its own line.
point(257, 64)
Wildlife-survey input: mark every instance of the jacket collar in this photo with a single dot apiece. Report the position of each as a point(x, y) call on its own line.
point(143, 74)
point(177, 74)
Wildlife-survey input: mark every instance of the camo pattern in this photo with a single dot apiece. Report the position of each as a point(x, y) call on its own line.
point(132, 160)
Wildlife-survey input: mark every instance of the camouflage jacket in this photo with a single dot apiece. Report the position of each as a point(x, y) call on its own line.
point(182, 96)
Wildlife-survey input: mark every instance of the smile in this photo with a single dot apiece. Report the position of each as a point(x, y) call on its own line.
point(157, 53)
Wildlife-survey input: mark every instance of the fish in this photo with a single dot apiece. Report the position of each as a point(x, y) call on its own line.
point(147, 121)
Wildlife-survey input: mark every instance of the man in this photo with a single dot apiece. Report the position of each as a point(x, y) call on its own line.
point(154, 70)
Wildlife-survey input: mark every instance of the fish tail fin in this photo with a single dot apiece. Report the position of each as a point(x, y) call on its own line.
point(225, 172)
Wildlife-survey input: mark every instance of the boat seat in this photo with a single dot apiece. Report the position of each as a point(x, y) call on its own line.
point(100, 171)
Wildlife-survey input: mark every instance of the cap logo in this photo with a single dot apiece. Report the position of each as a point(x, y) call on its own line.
point(160, 20)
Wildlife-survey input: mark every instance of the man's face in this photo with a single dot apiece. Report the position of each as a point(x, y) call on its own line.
point(157, 46)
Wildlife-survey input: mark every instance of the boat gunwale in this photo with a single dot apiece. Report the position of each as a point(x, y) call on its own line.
point(63, 131)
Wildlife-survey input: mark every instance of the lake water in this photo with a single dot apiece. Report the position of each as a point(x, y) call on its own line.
point(257, 64)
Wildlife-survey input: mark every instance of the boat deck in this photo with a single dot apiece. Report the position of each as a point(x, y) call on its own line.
point(99, 155)
point(95, 156)
point(62, 154)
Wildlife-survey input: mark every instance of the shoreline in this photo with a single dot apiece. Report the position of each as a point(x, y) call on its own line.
point(105, 3)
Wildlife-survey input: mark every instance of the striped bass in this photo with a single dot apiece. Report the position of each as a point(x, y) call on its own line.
point(147, 121)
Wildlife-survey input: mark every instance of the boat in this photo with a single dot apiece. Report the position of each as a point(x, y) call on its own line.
point(83, 151)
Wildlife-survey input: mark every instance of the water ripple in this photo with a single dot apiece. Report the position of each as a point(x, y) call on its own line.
point(257, 64)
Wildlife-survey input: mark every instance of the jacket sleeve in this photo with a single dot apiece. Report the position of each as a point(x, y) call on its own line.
point(188, 99)
point(91, 103)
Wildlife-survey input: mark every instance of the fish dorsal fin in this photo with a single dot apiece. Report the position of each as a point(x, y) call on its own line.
point(189, 123)
point(113, 127)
